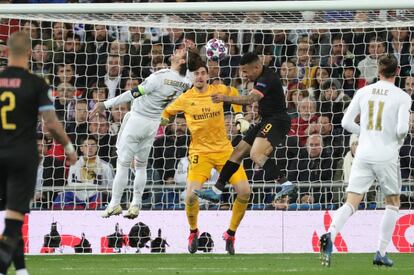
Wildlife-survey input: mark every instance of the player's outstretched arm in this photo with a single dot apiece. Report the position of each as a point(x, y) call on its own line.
point(177, 106)
point(53, 125)
point(240, 100)
point(127, 96)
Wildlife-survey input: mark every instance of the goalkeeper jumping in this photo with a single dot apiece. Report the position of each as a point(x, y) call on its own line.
point(209, 148)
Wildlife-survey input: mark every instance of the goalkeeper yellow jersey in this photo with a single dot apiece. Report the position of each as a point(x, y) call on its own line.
point(204, 118)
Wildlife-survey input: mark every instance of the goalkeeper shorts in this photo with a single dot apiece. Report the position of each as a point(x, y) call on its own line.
point(200, 167)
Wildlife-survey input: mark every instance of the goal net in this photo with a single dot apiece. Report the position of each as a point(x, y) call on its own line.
point(323, 51)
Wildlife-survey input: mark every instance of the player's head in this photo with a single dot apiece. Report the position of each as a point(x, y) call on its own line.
point(19, 45)
point(185, 59)
point(201, 77)
point(250, 66)
point(388, 66)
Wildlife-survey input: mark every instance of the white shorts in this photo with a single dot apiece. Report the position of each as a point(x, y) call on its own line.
point(364, 173)
point(135, 138)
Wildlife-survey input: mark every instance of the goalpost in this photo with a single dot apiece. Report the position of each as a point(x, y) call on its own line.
point(91, 51)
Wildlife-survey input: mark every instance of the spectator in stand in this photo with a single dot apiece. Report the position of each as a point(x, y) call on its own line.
point(114, 74)
point(312, 164)
point(322, 74)
point(305, 60)
point(289, 75)
point(172, 40)
point(339, 52)
point(334, 101)
point(407, 60)
point(99, 129)
point(32, 28)
point(169, 149)
point(351, 78)
point(78, 129)
point(409, 89)
point(89, 171)
point(407, 153)
point(65, 73)
point(369, 65)
point(74, 54)
point(131, 83)
point(120, 48)
point(398, 42)
point(344, 165)
point(65, 94)
point(59, 34)
point(307, 115)
point(117, 115)
point(139, 48)
point(293, 97)
point(99, 93)
point(97, 47)
point(40, 63)
point(332, 139)
point(321, 39)
point(50, 173)
point(282, 47)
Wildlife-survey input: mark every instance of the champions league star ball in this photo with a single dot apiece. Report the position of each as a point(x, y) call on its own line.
point(216, 50)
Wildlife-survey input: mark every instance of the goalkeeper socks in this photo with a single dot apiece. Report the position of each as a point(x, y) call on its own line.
point(239, 208)
point(228, 170)
point(231, 232)
point(18, 258)
point(139, 185)
point(191, 210)
point(387, 227)
point(13, 228)
point(340, 218)
point(119, 184)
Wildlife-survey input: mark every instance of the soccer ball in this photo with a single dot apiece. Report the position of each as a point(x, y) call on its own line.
point(216, 50)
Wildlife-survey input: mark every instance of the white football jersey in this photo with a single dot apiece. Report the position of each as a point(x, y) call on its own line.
point(158, 90)
point(384, 121)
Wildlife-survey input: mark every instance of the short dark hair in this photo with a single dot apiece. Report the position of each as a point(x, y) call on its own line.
point(88, 137)
point(249, 58)
point(203, 65)
point(388, 65)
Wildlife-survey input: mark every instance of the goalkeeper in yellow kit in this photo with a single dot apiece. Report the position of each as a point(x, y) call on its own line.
point(209, 148)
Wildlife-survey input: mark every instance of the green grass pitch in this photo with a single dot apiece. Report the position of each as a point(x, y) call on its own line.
point(347, 264)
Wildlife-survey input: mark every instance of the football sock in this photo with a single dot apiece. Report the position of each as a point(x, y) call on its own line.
point(340, 218)
point(387, 227)
point(139, 185)
point(191, 210)
point(228, 170)
point(239, 208)
point(119, 184)
point(13, 228)
point(18, 257)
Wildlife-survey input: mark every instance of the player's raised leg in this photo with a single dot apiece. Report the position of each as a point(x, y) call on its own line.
point(260, 154)
point(241, 151)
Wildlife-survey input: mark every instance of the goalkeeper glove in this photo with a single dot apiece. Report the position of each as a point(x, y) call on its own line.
point(164, 121)
point(241, 124)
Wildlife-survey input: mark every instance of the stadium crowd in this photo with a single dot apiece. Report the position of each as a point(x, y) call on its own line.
point(321, 70)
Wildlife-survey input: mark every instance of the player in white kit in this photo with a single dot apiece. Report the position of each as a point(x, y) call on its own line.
point(140, 125)
point(384, 111)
